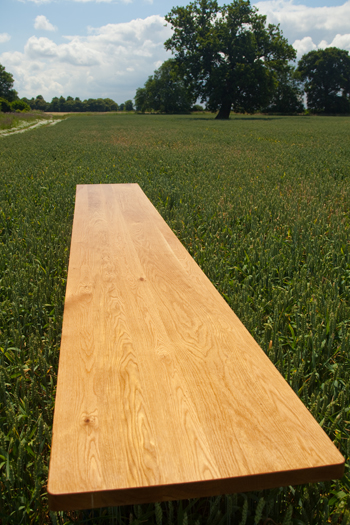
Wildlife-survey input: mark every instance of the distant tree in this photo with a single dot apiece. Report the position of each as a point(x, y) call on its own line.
point(54, 105)
point(95, 104)
point(31, 103)
point(288, 93)
point(26, 100)
point(6, 85)
point(197, 107)
point(110, 104)
point(90, 104)
point(78, 105)
point(20, 105)
point(84, 105)
point(70, 104)
point(100, 105)
point(128, 105)
point(5, 105)
point(40, 103)
point(61, 103)
point(164, 91)
point(227, 54)
point(326, 73)
point(141, 100)
point(121, 107)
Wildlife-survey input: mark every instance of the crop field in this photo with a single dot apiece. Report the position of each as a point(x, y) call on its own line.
point(261, 203)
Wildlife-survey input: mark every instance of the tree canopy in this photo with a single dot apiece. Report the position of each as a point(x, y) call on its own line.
point(227, 54)
point(128, 105)
point(6, 85)
point(164, 91)
point(326, 73)
point(20, 105)
point(288, 94)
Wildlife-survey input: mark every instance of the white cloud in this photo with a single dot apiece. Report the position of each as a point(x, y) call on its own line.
point(341, 41)
point(42, 23)
point(322, 45)
point(38, 2)
point(111, 61)
point(304, 46)
point(303, 19)
point(309, 28)
point(4, 37)
point(75, 53)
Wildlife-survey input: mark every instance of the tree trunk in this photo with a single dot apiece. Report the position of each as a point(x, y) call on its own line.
point(224, 111)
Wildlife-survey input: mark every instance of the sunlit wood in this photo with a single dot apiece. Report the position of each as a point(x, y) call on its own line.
point(162, 393)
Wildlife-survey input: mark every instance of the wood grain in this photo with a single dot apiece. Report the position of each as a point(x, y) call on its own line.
point(162, 393)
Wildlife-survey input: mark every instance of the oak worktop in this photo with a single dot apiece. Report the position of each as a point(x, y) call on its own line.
point(162, 392)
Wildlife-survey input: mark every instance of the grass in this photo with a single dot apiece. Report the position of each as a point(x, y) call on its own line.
point(261, 203)
point(9, 121)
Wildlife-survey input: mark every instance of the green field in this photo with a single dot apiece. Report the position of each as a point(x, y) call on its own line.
point(261, 203)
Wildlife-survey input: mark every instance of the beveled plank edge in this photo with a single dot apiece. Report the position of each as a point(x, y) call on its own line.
point(140, 495)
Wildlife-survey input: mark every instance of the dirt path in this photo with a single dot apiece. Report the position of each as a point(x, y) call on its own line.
point(25, 126)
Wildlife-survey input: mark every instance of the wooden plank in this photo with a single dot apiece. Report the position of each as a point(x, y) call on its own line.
point(162, 393)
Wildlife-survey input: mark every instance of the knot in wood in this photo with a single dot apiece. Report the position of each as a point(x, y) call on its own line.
point(89, 420)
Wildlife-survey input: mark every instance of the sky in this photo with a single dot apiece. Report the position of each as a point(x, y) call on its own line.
point(108, 48)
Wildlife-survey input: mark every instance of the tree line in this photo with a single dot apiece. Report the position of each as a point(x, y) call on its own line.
point(229, 59)
point(70, 104)
point(9, 100)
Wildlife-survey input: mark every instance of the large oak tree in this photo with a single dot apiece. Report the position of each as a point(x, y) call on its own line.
point(228, 55)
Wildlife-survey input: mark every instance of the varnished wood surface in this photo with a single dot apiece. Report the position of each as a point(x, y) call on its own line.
point(162, 393)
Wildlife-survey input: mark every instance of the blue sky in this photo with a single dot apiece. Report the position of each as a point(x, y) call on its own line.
point(108, 48)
